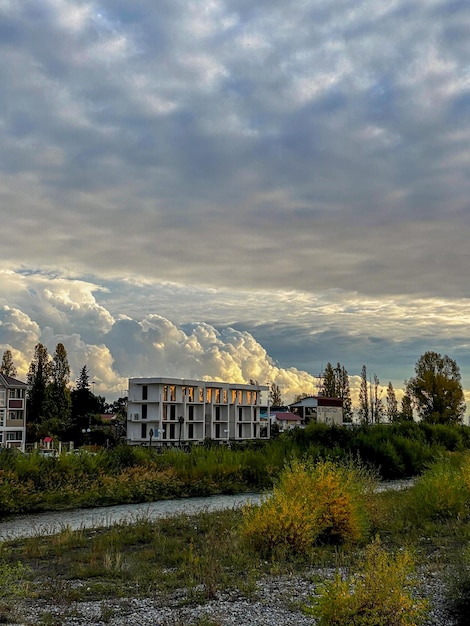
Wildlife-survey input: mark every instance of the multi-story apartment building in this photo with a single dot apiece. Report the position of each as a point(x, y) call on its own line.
point(12, 412)
point(173, 411)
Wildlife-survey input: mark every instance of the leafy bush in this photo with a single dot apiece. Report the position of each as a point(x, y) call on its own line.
point(442, 492)
point(380, 594)
point(311, 504)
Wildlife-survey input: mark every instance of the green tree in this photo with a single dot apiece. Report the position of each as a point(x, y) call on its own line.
point(7, 368)
point(391, 410)
point(330, 383)
point(363, 411)
point(406, 413)
point(377, 405)
point(344, 392)
point(336, 385)
point(436, 389)
point(85, 405)
point(59, 402)
point(38, 380)
point(275, 397)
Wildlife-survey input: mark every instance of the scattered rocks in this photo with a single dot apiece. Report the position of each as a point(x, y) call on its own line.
point(276, 600)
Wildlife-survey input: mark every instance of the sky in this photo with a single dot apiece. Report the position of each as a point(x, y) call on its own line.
point(228, 189)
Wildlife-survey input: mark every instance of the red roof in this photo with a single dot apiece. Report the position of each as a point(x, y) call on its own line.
point(286, 416)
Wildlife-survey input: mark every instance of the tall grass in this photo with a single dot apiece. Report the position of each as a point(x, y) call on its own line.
point(132, 474)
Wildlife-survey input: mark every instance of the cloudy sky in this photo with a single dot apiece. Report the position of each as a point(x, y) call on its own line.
point(233, 189)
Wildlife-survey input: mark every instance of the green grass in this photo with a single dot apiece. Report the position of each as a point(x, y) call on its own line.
point(206, 554)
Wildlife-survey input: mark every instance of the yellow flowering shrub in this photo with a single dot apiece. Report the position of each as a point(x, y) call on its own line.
point(379, 594)
point(312, 503)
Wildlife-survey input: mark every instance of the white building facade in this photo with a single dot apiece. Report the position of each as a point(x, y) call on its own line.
point(320, 409)
point(175, 411)
point(12, 412)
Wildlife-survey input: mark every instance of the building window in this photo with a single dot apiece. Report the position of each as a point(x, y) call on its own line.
point(240, 414)
point(172, 431)
point(255, 397)
point(172, 411)
point(143, 431)
point(15, 415)
point(165, 392)
point(14, 435)
point(217, 431)
point(240, 396)
point(201, 394)
point(248, 397)
point(224, 396)
point(190, 412)
point(217, 413)
point(173, 393)
point(190, 394)
point(190, 431)
point(240, 431)
point(208, 394)
point(144, 392)
point(2, 397)
point(144, 411)
point(217, 395)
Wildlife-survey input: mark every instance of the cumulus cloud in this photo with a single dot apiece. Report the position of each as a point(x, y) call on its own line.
point(294, 174)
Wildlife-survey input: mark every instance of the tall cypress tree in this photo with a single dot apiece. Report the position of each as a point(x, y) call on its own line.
point(58, 393)
point(363, 410)
point(344, 392)
point(38, 380)
point(329, 386)
point(391, 404)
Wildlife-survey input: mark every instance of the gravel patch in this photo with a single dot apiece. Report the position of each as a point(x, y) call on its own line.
point(275, 601)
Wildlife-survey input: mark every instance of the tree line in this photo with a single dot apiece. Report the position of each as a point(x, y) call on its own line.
point(56, 409)
point(434, 394)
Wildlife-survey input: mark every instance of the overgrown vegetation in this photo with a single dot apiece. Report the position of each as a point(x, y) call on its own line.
point(380, 593)
point(312, 503)
point(365, 566)
point(132, 474)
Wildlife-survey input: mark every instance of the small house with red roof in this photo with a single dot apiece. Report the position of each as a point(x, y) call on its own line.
point(285, 419)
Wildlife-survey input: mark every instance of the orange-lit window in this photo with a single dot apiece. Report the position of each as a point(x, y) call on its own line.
point(234, 396)
point(172, 393)
point(224, 396)
point(248, 397)
point(165, 392)
point(201, 394)
point(208, 394)
point(217, 395)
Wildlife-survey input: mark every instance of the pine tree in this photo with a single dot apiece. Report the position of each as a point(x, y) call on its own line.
point(7, 367)
point(363, 410)
point(391, 404)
